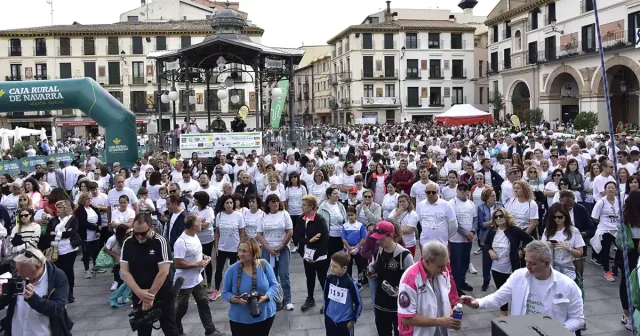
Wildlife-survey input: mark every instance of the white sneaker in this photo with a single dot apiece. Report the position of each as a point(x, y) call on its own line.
point(624, 319)
point(472, 269)
point(87, 274)
point(114, 286)
point(289, 307)
point(477, 252)
point(628, 325)
point(294, 249)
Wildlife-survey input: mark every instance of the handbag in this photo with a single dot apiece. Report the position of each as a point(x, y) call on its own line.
point(627, 235)
point(278, 297)
point(51, 254)
point(104, 260)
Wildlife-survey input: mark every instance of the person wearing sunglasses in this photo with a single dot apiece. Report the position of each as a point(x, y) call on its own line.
point(552, 188)
point(26, 234)
point(565, 184)
point(437, 217)
point(148, 274)
point(41, 308)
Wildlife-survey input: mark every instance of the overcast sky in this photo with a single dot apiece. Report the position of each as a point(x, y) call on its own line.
point(287, 23)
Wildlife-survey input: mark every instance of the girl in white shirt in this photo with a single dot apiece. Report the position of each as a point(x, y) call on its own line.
point(293, 194)
point(320, 185)
point(206, 235)
point(251, 214)
point(229, 232)
point(274, 233)
point(123, 214)
point(390, 200)
point(274, 188)
point(565, 240)
point(606, 213)
point(407, 218)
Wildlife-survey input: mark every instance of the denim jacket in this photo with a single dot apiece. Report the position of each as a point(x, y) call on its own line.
point(484, 215)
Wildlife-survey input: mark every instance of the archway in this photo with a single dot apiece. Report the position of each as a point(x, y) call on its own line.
point(565, 84)
point(83, 94)
point(520, 99)
point(623, 91)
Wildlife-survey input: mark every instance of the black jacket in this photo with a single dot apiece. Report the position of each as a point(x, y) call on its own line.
point(53, 305)
point(176, 229)
point(302, 233)
point(238, 125)
point(74, 237)
point(371, 182)
point(83, 223)
point(516, 236)
point(496, 181)
point(5, 218)
point(582, 220)
point(245, 190)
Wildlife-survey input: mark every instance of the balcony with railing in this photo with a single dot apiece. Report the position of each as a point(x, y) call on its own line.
point(333, 103)
point(414, 73)
point(344, 76)
point(109, 82)
point(457, 100)
point(138, 81)
point(333, 79)
point(492, 68)
point(436, 73)
point(345, 103)
point(14, 51)
point(373, 45)
point(412, 44)
point(380, 74)
point(436, 44)
point(40, 77)
point(611, 41)
point(457, 73)
point(381, 101)
point(13, 78)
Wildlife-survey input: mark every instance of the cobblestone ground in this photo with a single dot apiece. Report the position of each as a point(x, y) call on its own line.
point(93, 316)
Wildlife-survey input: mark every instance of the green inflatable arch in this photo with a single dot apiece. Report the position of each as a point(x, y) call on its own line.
point(86, 95)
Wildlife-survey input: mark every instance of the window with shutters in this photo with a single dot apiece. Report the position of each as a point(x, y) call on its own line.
point(137, 69)
point(113, 45)
point(507, 58)
point(90, 70)
point(211, 99)
point(65, 70)
point(161, 43)
point(434, 40)
point(589, 38)
point(41, 47)
point(65, 46)
point(15, 47)
point(412, 69)
point(136, 45)
point(368, 90)
point(411, 41)
point(367, 66)
point(435, 96)
point(456, 41)
point(434, 69)
point(390, 66)
point(114, 73)
point(89, 46)
point(457, 96)
point(389, 90)
point(185, 41)
point(533, 52)
point(139, 101)
point(367, 41)
point(550, 48)
point(388, 41)
point(413, 97)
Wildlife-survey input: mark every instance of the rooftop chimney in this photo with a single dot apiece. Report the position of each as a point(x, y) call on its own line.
point(143, 2)
point(388, 7)
point(452, 18)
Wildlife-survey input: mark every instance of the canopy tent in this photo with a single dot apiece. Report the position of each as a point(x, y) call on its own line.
point(463, 114)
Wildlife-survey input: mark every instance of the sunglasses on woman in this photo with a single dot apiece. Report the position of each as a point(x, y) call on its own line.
point(498, 217)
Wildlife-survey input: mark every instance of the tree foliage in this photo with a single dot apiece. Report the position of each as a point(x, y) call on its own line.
point(498, 102)
point(586, 121)
point(533, 116)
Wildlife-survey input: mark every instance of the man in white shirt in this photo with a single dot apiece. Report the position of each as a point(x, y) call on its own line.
point(176, 174)
point(293, 149)
point(577, 155)
point(70, 175)
point(145, 166)
point(190, 262)
point(134, 182)
point(437, 218)
point(115, 193)
point(188, 186)
point(537, 289)
point(30, 151)
point(55, 178)
point(213, 192)
point(240, 165)
point(623, 162)
point(460, 243)
point(418, 189)
point(452, 164)
point(606, 168)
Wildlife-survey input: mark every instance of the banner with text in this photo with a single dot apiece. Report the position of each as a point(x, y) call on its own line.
point(207, 144)
point(277, 105)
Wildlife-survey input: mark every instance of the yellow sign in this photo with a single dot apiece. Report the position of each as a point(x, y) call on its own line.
point(116, 141)
point(515, 120)
point(1, 93)
point(244, 111)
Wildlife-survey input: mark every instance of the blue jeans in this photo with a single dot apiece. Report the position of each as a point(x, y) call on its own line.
point(281, 270)
point(373, 285)
point(486, 264)
point(460, 258)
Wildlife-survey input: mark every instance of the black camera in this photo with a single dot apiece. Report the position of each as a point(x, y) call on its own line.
point(14, 287)
point(141, 318)
point(253, 300)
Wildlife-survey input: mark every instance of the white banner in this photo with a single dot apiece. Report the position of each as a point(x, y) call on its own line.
point(363, 121)
point(207, 144)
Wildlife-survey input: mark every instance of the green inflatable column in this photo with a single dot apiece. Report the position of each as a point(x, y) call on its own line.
point(85, 94)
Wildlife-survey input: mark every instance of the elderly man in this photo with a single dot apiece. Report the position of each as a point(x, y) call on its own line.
point(423, 286)
point(538, 289)
point(437, 218)
point(41, 308)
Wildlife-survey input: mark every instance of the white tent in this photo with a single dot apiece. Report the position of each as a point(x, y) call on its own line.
point(43, 134)
point(463, 114)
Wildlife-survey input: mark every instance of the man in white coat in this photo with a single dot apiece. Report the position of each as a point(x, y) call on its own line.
point(537, 289)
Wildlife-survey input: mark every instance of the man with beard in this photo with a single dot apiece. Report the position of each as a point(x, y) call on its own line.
point(347, 180)
point(403, 177)
point(213, 192)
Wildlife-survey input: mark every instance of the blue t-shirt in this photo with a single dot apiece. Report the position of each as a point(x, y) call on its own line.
point(266, 283)
point(353, 233)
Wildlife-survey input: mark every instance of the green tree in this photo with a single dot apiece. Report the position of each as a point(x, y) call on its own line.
point(516, 101)
point(533, 116)
point(498, 103)
point(586, 121)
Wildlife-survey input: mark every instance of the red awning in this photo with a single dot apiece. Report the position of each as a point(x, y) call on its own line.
point(91, 123)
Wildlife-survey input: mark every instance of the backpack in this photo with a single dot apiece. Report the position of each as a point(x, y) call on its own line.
point(635, 287)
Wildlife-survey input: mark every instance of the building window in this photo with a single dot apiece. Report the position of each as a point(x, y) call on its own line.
point(161, 43)
point(368, 90)
point(374, 19)
point(495, 34)
point(367, 67)
point(507, 58)
point(114, 73)
point(518, 40)
point(412, 69)
point(185, 41)
point(434, 40)
point(493, 66)
point(507, 29)
point(89, 46)
point(367, 41)
point(388, 41)
point(551, 13)
point(434, 69)
point(633, 22)
point(65, 46)
point(211, 99)
point(16, 71)
point(390, 67)
point(550, 48)
point(411, 41)
point(457, 69)
point(132, 18)
point(41, 71)
point(480, 94)
point(15, 47)
point(589, 38)
point(113, 45)
point(136, 45)
point(90, 70)
point(480, 68)
point(435, 96)
point(586, 6)
point(457, 96)
point(533, 52)
point(456, 41)
point(117, 95)
point(137, 72)
point(413, 97)
point(389, 90)
point(65, 70)
point(139, 101)
point(533, 20)
point(41, 47)
point(184, 101)
point(233, 108)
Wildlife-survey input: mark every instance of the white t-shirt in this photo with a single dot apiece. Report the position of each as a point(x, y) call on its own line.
point(229, 225)
point(176, 176)
point(122, 217)
point(51, 179)
point(562, 259)
point(114, 197)
point(337, 219)
point(213, 192)
point(447, 193)
point(92, 217)
point(206, 236)
point(189, 249)
point(294, 199)
point(551, 186)
point(502, 247)
point(251, 222)
point(477, 196)
point(435, 218)
point(537, 301)
point(347, 181)
point(407, 219)
point(319, 190)
point(190, 187)
point(154, 192)
point(101, 201)
point(112, 244)
point(418, 191)
point(465, 212)
point(273, 227)
point(522, 212)
point(608, 215)
point(507, 190)
point(279, 191)
point(134, 183)
point(389, 202)
point(598, 185)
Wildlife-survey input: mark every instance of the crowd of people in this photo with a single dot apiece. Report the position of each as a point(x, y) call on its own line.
point(406, 204)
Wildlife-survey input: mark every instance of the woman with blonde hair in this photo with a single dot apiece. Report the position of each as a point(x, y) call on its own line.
point(503, 243)
point(405, 216)
point(523, 207)
point(274, 187)
point(66, 240)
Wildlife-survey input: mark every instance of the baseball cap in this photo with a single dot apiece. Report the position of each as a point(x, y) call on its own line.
point(383, 229)
point(353, 190)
